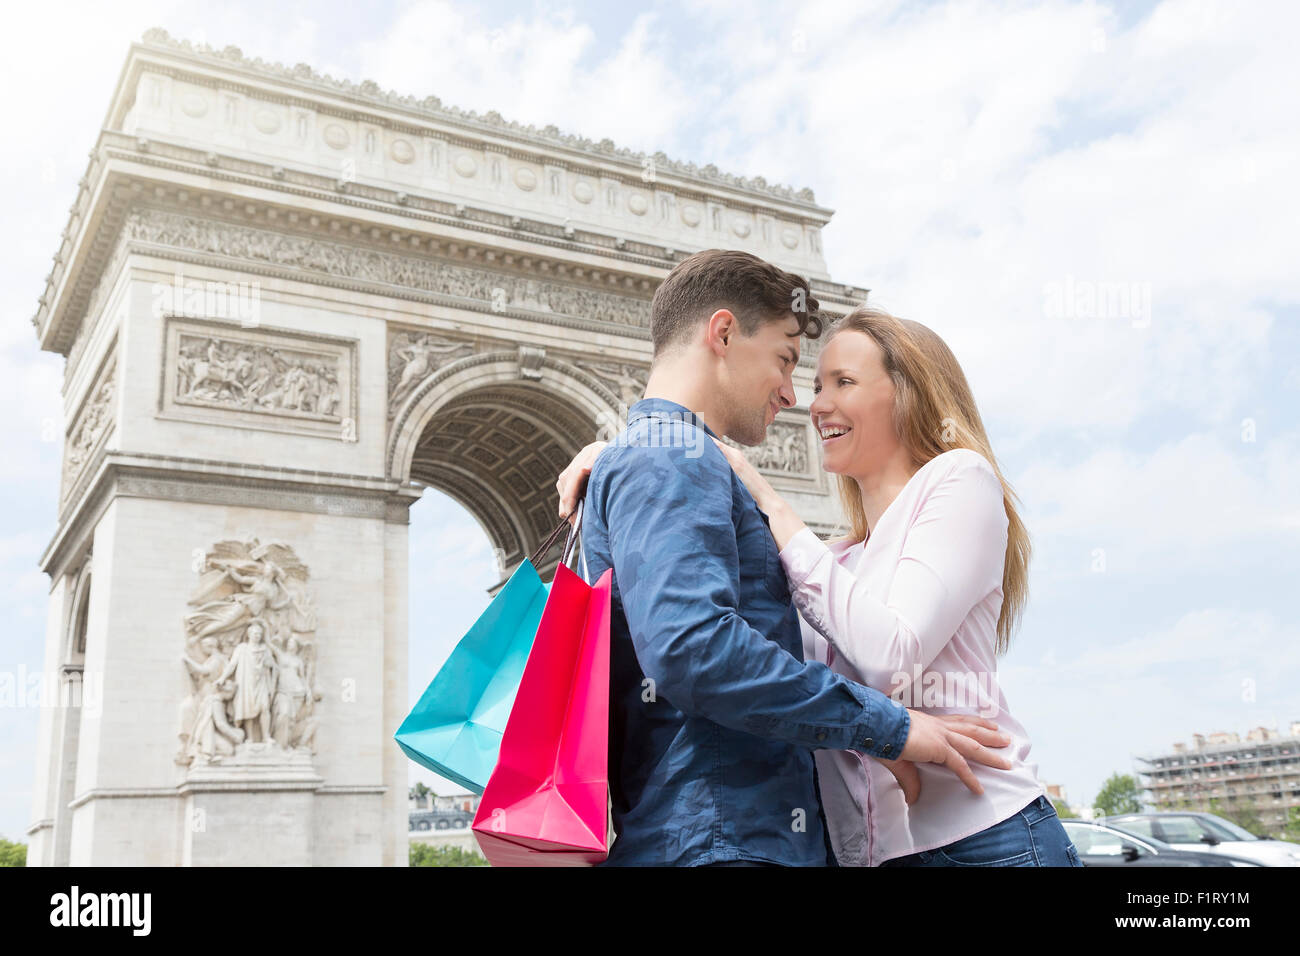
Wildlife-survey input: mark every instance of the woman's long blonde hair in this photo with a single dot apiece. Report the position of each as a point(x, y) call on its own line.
point(934, 412)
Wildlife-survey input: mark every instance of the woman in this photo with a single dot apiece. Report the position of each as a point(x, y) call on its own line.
point(917, 601)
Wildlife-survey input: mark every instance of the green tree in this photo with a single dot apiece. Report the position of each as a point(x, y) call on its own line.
point(1063, 811)
point(12, 854)
point(1244, 816)
point(1291, 829)
point(1119, 794)
point(1247, 818)
point(423, 854)
point(420, 793)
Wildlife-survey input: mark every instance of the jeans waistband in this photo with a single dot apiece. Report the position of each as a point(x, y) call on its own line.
point(1037, 809)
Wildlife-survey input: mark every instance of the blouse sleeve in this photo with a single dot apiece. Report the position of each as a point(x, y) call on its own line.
point(951, 559)
point(814, 645)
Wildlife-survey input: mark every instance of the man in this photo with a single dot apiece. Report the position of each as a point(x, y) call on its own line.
point(713, 710)
point(253, 668)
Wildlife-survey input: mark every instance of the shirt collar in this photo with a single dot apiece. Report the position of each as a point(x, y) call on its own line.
point(663, 408)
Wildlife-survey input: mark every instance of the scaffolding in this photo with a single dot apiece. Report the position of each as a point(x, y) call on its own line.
point(1261, 772)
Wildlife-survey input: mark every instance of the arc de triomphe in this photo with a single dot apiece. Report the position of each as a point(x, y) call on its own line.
point(287, 304)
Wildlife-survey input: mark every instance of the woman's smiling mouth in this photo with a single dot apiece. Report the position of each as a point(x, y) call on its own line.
point(832, 433)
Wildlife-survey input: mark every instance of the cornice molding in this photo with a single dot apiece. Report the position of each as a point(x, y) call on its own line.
point(369, 92)
point(126, 192)
point(204, 481)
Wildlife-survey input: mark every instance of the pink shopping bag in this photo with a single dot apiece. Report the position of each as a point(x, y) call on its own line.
point(547, 801)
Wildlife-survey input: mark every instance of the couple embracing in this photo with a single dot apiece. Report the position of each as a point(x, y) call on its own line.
point(758, 676)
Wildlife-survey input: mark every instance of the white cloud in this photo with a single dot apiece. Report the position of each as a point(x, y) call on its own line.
point(976, 153)
point(1089, 714)
point(533, 69)
point(1186, 504)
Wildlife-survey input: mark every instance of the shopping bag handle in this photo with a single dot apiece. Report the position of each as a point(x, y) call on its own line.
point(554, 536)
point(574, 540)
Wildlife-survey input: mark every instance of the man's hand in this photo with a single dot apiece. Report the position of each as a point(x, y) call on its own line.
point(952, 739)
point(906, 774)
point(573, 480)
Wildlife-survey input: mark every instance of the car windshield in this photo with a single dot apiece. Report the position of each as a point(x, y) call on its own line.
point(1191, 829)
point(1139, 825)
point(1226, 829)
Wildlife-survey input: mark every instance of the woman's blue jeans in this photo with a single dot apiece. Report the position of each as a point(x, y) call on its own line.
point(1030, 837)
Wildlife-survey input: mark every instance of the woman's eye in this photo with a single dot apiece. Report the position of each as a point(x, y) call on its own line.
point(843, 380)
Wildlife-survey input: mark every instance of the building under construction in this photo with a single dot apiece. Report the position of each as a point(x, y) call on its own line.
point(1261, 772)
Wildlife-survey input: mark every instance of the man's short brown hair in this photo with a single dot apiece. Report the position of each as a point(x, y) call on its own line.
point(754, 290)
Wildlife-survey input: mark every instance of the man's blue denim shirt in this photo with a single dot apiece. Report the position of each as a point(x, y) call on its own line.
point(713, 710)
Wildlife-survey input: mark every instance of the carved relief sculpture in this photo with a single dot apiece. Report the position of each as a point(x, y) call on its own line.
point(785, 449)
point(215, 371)
point(273, 379)
point(413, 357)
point(628, 382)
point(250, 655)
point(493, 289)
point(90, 427)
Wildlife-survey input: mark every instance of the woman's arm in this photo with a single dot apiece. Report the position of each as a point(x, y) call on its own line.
point(952, 558)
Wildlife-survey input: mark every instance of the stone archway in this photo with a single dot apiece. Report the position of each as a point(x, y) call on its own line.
point(71, 689)
point(492, 434)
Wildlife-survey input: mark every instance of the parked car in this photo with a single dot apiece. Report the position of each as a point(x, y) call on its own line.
point(1106, 845)
point(1206, 832)
point(439, 819)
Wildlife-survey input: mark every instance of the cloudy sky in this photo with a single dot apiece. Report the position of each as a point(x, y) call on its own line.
point(1093, 203)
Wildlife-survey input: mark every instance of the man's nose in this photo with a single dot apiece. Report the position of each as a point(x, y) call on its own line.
point(787, 394)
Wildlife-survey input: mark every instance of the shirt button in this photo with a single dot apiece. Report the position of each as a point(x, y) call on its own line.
point(821, 735)
point(887, 748)
point(868, 743)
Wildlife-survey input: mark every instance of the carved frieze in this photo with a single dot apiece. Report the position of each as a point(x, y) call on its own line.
point(499, 291)
point(92, 424)
point(785, 449)
point(285, 381)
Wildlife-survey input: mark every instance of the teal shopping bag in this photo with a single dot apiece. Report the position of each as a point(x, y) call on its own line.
point(455, 729)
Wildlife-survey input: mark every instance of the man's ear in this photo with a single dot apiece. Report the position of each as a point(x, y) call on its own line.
point(721, 326)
